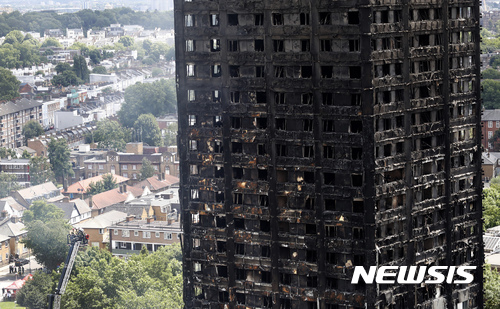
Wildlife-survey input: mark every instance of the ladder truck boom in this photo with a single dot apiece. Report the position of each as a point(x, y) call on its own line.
point(75, 239)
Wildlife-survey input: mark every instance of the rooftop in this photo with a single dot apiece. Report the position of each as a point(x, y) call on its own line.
point(83, 185)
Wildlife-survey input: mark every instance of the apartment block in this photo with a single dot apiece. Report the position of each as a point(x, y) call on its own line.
point(316, 136)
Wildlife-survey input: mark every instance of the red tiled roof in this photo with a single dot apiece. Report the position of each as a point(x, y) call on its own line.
point(112, 197)
point(154, 184)
point(84, 184)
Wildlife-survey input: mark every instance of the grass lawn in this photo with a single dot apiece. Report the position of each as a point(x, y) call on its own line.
point(9, 305)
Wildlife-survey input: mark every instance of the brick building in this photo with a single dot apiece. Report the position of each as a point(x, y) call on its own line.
point(13, 116)
point(128, 237)
point(315, 136)
point(490, 123)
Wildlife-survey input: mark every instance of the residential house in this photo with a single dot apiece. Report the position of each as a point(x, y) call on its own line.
point(16, 232)
point(20, 150)
point(128, 237)
point(96, 35)
point(75, 136)
point(48, 110)
point(46, 191)
point(75, 211)
point(53, 33)
point(7, 211)
point(114, 30)
point(490, 122)
point(80, 188)
point(97, 227)
point(156, 185)
point(17, 209)
point(132, 30)
point(4, 249)
point(120, 195)
point(13, 116)
point(76, 34)
point(490, 165)
point(19, 168)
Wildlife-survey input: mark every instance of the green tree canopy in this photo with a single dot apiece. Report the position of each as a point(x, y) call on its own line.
point(107, 183)
point(51, 42)
point(156, 98)
point(109, 134)
point(491, 94)
point(146, 129)
point(491, 288)
point(47, 233)
point(143, 281)
point(8, 183)
point(127, 41)
point(491, 74)
point(58, 153)
point(80, 68)
point(31, 129)
point(147, 169)
point(99, 70)
point(42, 211)
point(33, 294)
point(62, 67)
point(9, 85)
point(170, 138)
point(47, 241)
point(66, 79)
point(40, 170)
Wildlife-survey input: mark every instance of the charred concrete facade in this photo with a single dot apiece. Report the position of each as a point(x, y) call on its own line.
point(319, 135)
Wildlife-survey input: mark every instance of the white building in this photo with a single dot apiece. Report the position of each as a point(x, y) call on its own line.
point(74, 34)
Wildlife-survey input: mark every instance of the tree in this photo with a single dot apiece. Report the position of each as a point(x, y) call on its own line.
point(95, 56)
point(31, 129)
point(8, 183)
point(491, 74)
point(42, 211)
point(51, 42)
point(66, 78)
point(156, 98)
point(25, 155)
point(61, 67)
point(156, 72)
point(58, 153)
point(80, 68)
point(147, 169)
point(46, 233)
point(33, 294)
point(491, 288)
point(109, 134)
point(47, 241)
point(491, 93)
point(147, 130)
point(9, 85)
point(99, 70)
point(127, 41)
point(143, 281)
point(107, 183)
point(5, 152)
point(40, 170)
point(170, 138)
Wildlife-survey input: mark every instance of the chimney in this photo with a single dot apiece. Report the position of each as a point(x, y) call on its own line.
point(149, 220)
point(129, 218)
point(169, 221)
point(14, 219)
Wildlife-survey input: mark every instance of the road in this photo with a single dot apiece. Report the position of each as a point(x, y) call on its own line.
point(6, 279)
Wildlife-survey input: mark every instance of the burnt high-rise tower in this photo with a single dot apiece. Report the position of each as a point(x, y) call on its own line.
point(319, 135)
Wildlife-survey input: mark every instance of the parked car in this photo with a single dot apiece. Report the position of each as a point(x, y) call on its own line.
point(21, 262)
